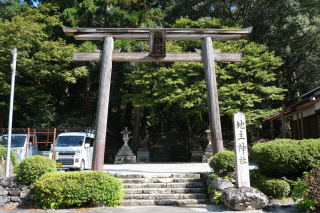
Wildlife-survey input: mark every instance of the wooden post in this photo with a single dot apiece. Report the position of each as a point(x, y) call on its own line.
point(47, 136)
point(302, 132)
point(298, 127)
point(317, 120)
point(283, 126)
point(212, 96)
point(272, 134)
point(34, 135)
point(54, 143)
point(102, 105)
point(28, 136)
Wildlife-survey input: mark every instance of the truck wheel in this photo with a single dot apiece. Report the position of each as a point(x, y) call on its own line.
point(81, 166)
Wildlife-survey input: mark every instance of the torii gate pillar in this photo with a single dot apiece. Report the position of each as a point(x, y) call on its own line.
point(102, 105)
point(212, 96)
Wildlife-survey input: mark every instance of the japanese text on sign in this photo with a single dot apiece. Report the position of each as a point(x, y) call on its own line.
point(241, 150)
point(158, 43)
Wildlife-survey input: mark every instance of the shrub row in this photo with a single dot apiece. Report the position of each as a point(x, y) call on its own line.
point(286, 157)
point(57, 190)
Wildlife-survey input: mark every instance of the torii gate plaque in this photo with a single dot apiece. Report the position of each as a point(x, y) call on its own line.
point(157, 53)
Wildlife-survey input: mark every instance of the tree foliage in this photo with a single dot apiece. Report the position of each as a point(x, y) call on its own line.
point(44, 65)
point(245, 86)
point(290, 28)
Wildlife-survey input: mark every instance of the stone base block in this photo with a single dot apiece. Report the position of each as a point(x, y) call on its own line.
point(143, 156)
point(244, 198)
point(196, 156)
point(205, 158)
point(220, 183)
point(122, 159)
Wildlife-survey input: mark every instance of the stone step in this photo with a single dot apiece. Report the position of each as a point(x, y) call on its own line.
point(164, 185)
point(165, 191)
point(164, 196)
point(150, 176)
point(162, 202)
point(161, 180)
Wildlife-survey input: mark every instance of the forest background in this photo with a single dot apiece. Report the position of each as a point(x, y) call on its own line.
point(280, 62)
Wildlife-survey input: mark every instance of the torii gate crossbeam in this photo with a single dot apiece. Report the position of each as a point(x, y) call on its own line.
point(208, 56)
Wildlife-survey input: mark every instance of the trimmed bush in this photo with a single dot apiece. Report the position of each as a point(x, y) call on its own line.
point(13, 158)
point(57, 190)
point(224, 160)
point(274, 188)
point(32, 168)
point(286, 157)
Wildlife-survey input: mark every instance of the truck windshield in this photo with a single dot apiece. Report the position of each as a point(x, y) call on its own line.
point(69, 141)
point(16, 141)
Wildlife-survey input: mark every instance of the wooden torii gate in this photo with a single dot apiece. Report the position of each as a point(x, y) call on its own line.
point(157, 53)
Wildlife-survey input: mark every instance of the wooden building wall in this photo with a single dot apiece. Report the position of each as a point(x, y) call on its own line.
point(309, 127)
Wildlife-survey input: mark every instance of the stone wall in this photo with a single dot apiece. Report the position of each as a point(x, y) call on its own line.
point(218, 184)
point(14, 193)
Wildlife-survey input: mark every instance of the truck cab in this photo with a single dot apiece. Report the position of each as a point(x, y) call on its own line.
point(19, 145)
point(75, 150)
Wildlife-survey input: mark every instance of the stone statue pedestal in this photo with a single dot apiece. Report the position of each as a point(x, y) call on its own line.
point(196, 155)
point(208, 151)
point(143, 155)
point(125, 155)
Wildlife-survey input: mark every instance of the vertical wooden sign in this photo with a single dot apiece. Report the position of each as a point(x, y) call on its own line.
point(158, 39)
point(241, 150)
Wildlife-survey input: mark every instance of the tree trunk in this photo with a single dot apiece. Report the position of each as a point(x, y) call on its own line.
point(2, 119)
point(67, 98)
point(136, 125)
point(128, 116)
point(136, 130)
point(143, 122)
point(189, 127)
point(88, 96)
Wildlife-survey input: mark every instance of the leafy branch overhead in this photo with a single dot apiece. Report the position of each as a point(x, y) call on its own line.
point(245, 86)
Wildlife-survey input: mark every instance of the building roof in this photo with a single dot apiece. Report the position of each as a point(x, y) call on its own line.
point(304, 104)
point(310, 92)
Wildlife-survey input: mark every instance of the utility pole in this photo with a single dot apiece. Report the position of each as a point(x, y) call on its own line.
point(13, 75)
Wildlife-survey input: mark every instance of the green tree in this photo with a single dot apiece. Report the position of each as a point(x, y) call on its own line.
point(44, 67)
point(245, 86)
point(11, 8)
point(290, 28)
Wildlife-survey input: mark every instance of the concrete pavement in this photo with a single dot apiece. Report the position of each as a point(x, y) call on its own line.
point(153, 168)
point(153, 209)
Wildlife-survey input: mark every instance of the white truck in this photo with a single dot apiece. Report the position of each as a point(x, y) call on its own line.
point(75, 150)
point(19, 145)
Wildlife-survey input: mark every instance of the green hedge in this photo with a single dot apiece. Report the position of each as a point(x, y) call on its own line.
point(13, 158)
point(32, 168)
point(274, 188)
point(57, 190)
point(224, 160)
point(286, 157)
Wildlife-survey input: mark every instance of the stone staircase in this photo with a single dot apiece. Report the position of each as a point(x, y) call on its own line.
point(162, 189)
